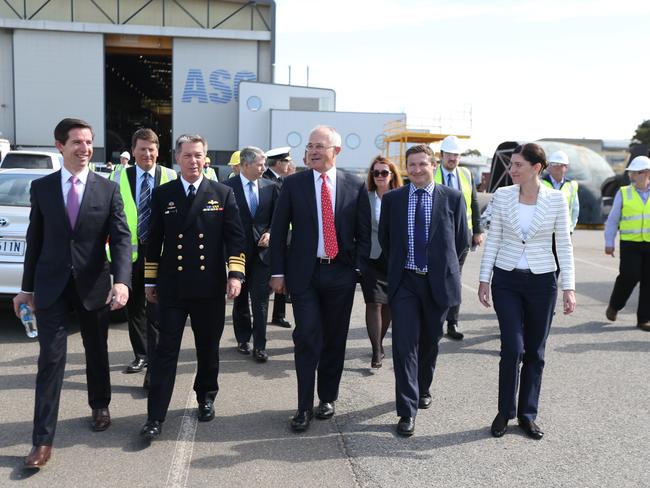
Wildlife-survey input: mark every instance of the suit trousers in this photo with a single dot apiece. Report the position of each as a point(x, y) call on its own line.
point(417, 329)
point(322, 313)
point(452, 315)
point(52, 339)
point(279, 306)
point(207, 318)
point(634, 267)
point(256, 286)
point(135, 308)
point(524, 303)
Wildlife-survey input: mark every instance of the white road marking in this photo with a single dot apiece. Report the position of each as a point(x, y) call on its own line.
point(180, 467)
point(591, 263)
point(470, 288)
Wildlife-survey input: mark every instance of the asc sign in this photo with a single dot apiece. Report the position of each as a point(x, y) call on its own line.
point(223, 87)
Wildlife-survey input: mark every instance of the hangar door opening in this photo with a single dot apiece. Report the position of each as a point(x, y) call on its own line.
point(138, 74)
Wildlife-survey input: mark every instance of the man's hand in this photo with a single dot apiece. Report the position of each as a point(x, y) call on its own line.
point(277, 285)
point(151, 294)
point(484, 294)
point(610, 251)
point(233, 288)
point(118, 296)
point(27, 298)
point(477, 240)
point(264, 240)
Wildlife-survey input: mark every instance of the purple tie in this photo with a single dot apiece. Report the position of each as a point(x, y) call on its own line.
point(73, 202)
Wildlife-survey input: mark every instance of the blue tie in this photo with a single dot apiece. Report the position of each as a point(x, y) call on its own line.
point(144, 210)
point(252, 198)
point(449, 181)
point(420, 232)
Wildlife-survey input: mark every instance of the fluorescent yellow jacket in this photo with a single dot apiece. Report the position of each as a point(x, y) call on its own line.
point(634, 225)
point(465, 180)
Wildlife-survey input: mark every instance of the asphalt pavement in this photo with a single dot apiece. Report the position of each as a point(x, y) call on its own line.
point(593, 409)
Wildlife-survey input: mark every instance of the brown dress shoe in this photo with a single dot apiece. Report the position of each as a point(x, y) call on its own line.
point(101, 419)
point(644, 326)
point(611, 314)
point(38, 457)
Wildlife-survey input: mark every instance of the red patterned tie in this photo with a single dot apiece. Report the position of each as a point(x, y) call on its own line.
point(329, 230)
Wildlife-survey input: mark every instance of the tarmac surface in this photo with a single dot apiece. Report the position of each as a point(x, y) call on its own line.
point(593, 409)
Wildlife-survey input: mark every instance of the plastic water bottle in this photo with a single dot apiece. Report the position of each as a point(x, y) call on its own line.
point(28, 320)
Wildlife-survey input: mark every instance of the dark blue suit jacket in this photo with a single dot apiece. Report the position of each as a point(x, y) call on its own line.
point(448, 238)
point(297, 207)
point(254, 227)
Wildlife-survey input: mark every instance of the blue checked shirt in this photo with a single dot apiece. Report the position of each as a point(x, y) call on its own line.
point(427, 201)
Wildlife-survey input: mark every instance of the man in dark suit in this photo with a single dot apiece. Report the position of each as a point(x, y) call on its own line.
point(136, 184)
point(256, 198)
point(194, 221)
point(423, 231)
point(279, 161)
point(73, 213)
point(329, 213)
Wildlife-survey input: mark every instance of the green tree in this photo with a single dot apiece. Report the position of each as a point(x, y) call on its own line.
point(642, 134)
point(475, 152)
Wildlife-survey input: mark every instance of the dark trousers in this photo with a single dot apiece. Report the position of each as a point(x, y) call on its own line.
point(524, 303)
point(52, 339)
point(417, 329)
point(452, 314)
point(256, 286)
point(634, 267)
point(279, 306)
point(135, 308)
point(207, 317)
point(322, 314)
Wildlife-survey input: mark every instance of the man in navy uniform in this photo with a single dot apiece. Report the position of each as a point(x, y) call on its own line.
point(256, 198)
point(194, 220)
point(279, 162)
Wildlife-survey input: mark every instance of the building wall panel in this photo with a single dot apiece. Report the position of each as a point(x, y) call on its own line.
point(6, 86)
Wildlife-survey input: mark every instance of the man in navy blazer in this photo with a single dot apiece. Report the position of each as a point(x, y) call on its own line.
point(422, 231)
point(73, 213)
point(256, 198)
point(329, 214)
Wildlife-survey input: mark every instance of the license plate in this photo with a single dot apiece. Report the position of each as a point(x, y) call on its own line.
point(12, 247)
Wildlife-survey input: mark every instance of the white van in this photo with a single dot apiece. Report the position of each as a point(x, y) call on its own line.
point(32, 160)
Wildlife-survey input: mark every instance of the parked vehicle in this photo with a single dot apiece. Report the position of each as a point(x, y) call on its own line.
point(32, 160)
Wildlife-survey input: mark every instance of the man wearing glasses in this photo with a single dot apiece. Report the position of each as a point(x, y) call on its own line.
point(329, 213)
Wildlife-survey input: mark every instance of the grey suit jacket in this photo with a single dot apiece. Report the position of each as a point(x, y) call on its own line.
point(375, 249)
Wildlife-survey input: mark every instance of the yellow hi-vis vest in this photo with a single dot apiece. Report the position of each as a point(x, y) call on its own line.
point(210, 174)
point(568, 188)
point(131, 208)
point(465, 180)
point(634, 225)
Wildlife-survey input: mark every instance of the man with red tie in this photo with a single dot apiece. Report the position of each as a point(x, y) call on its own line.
point(329, 213)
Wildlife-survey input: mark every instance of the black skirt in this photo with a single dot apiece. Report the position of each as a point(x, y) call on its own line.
point(374, 282)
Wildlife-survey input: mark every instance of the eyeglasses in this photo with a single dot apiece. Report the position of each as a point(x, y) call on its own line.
point(377, 173)
point(317, 147)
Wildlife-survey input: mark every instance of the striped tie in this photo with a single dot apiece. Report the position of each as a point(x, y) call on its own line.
point(144, 210)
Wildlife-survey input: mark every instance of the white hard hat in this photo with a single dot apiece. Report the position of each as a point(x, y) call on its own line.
point(558, 157)
point(639, 163)
point(126, 155)
point(450, 145)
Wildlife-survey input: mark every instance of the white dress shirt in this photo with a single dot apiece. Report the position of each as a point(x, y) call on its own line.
point(186, 184)
point(66, 184)
point(247, 190)
point(526, 214)
point(454, 178)
point(331, 184)
point(139, 174)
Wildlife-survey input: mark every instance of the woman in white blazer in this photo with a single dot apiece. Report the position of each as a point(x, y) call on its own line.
point(518, 259)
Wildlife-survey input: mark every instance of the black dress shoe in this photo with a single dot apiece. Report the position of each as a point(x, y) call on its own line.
point(300, 421)
point(137, 366)
point(243, 348)
point(611, 314)
point(531, 429)
point(101, 419)
point(151, 429)
point(453, 332)
point(499, 426)
point(260, 355)
point(206, 411)
point(406, 426)
point(281, 322)
point(147, 380)
point(425, 401)
point(325, 410)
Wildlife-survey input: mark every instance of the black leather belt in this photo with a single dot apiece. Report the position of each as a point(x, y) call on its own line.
point(325, 260)
point(417, 272)
point(522, 271)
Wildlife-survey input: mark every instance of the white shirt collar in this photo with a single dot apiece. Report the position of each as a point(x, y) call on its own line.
point(186, 184)
point(83, 176)
point(245, 181)
point(139, 172)
point(276, 175)
point(331, 174)
point(558, 183)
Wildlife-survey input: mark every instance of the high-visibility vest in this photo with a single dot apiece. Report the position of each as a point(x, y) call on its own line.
point(210, 174)
point(465, 180)
point(131, 207)
point(117, 169)
point(634, 225)
point(92, 166)
point(570, 190)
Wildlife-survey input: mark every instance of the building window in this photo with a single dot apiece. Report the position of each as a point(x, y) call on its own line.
point(353, 141)
point(294, 139)
point(254, 103)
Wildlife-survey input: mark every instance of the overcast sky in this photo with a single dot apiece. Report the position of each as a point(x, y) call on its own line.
point(527, 69)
